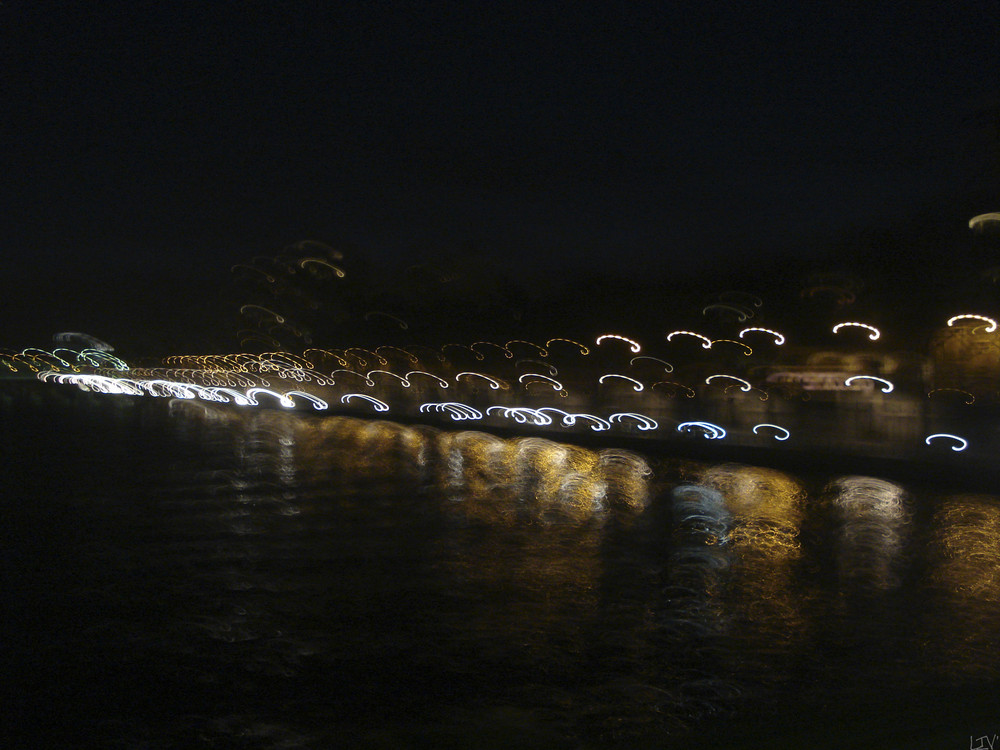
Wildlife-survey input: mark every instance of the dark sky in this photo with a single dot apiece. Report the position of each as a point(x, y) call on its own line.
point(147, 138)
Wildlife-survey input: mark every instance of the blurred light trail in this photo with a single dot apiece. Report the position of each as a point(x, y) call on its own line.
point(583, 349)
point(745, 386)
point(555, 384)
point(962, 442)
point(983, 219)
point(778, 338)
point(645, 423)
point(887, 385)
point(494, 384)
point(633, 345)
point(709, 430)
point(707, 341)
point(455, 410)
point(666, 365)
point(542, 352)
point(740, 344)
point(636, 385)
point(990, 328)
point(783, 433)
point(379, 405)
point(874, 335)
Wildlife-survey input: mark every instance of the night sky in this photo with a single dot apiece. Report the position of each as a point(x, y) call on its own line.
point(156, 143)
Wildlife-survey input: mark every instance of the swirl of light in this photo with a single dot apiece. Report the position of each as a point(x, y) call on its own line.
point(556, 385)
point(328, 353)
point(478, 355)
point(583, 349)
point(784, 435)
point(378, 357)
point(741, 313)
point(378, 404)
point(569, 418)
point(282, 398)
point(689, 391)
point(542, 352)
point(494, 384)
point(710, 431)
point(318, 403)
point(378, 313)
point(707, 341)
point(521, 414)
point(320, 262)
point(633, 345)
point(976, 221)
point(667, 367)
point(887, 385)
point(962, 442)
point(42, 354)
point(221, 393)
point(597, 424)
point(970, 400)
point(645, 423)
point(874, 335)
point(368, 381)
point(400, 378)
point(440, 381)
point(506, 352)
point(745, 386)
point(990, 328)
point(455, 410)
point(778, 338)
point(411, 357)
point(91, 342)
point(740, 344)
point(270, 312)
point(636, 385)
point(553, 370)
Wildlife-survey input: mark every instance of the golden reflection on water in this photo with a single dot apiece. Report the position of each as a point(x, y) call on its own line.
point(766, 508)
point(964, 575)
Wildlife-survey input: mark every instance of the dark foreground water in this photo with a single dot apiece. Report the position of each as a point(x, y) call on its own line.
point(176, 575)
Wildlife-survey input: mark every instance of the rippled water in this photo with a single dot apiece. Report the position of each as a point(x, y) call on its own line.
point(177, 575)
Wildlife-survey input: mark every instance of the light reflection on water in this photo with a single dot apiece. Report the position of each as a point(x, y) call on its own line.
point(267, 579)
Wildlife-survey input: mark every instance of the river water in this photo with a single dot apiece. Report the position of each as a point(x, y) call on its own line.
point(177, 574)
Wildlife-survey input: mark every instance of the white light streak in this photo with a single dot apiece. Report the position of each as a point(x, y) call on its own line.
point(282, 398)
point(318, 403)
point(633, 345)
point(968, 316)
point(521, 414)
point(745, 387)
point(707, 341)
point(377, 403)
point(440, 381)
point(645, 423)
point(778, 338)
point(711, 431)
point(962, 442)
point(785, 434)
point(887, 385)
point(400, 378)
point(636, 385)
point(458, 412)
point(874, 335)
